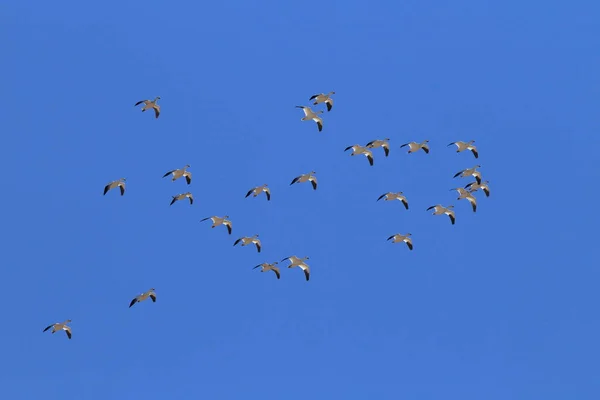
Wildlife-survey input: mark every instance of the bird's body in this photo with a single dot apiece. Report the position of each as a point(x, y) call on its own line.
point(465, 173)
point(306, 177)
point(309, 114)
point(148, 104)
point(358, 150)
point(120, 183)
point(258, 190)
point(462, 146)
point(182, 196)
point(216, 221)
point(465, 194)
point(299, 262)
point(402, 238)
point(414, 146)
point(178, 173)
point(149, 294)
point(383, 143)
point(247, 240)
point(389, 196)
point(474, 186)
point(323, 98)
point(439, 210)
point(60, 326)
point(269, 267)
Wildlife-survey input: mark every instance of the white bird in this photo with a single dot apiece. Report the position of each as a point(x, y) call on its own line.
point(358, 150)
point(402, 238)
point(474, 186)
point(150, 293)
point(219, 221)
point(383, 143)
point(311, 115)
point(148, 104)
point(299, 262)
point(178, 173)
point(181, 197)
point(269, 267)
point(462, 146)
point(60, 326)
point(439, 210)
point(470, 172)
point(323, 98)
point(394, 196)
point(120, 183)
point(306, 177)
point(465, 194)
point(246, 240)
point(414, 146)
point(258, 190)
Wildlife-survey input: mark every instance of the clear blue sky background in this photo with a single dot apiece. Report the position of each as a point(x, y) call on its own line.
point(503, 305)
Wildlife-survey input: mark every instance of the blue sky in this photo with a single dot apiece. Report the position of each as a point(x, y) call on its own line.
point(503, 305)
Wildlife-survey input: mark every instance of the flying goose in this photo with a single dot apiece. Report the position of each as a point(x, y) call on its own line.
point(144, 296)
point(414, 146)
point(310, 114)
point(299, 262)
point(394, 196)
point(219, 221)
point(323, 98)
point(357, 150)
point(474, 186)
point(60, 326)
point(246, 240)
point(462, 146)
point(118, 183)
point(465, 194)
point(439, 210)
point(269, 267)
point(470, 172)
point(183, 196)
point(402, 238)
point(258, 190)
point(384, 143)
point(150, 104)
point(306, 177)
point(178, 173)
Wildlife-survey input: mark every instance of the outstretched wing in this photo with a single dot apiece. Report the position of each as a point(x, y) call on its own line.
point(405, 203)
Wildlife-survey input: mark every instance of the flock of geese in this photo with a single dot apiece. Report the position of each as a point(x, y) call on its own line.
point(466, 193)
